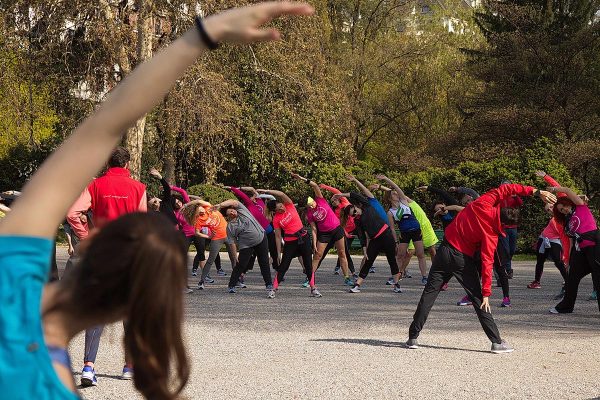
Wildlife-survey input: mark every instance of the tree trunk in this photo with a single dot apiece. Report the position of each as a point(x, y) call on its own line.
point(135, 134)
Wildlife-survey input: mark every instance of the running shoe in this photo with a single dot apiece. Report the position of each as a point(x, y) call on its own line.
point(372, 270)
point(424, 281)
point(231, 290)
point(510, 274)
point(534, 285)
point(354, 289)
point(397, 288)
point(88, 376)
point(200, 286)
point(593, 296)
point(188, 290)
point(503, 347)
point(349, 281)
point(561, 294)
point(305, 283)
point(355, 275)
point(208, 279)
point(412, 344)
point(220, 272)
point(505, 302)
point(464, 301)
point(315, 293)
point(194, 272)
point(241, 285)
point(336, 271)
point(390, 282)
point(407, 274)
point(444, 287)
point(127, 373)
point(271, 294)
point(553, 310)
point(241, 278)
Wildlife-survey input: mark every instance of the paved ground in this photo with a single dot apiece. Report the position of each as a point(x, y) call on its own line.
point(350, 345)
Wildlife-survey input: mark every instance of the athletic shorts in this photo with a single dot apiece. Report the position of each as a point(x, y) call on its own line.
point(406, 237)
point(429, 240)
point(331, 236)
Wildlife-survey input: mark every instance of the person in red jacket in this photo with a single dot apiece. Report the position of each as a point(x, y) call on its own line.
point(474, 229)
point(110, 196)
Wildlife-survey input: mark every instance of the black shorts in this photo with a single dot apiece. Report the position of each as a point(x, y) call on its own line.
point(406, 237)
point(331, 236)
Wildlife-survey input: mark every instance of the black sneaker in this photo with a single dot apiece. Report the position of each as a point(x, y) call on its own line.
point(503, 347)
point(510, 274)
point(412, 344)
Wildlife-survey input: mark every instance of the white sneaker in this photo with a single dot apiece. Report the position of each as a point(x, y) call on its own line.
point(553, 310)
point(188, 290)
point(397, 288)
point(315, 293)
point(354, 289)
point(271, 294)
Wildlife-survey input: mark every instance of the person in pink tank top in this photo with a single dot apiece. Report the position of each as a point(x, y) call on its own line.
point(579, 224)
point(326, 229)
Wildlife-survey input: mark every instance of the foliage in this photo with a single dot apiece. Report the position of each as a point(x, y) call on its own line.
point(210, 193)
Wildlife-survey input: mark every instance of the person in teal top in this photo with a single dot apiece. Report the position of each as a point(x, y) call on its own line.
point(134, 268)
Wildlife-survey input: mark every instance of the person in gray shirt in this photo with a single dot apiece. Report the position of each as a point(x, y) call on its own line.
point(245, 233)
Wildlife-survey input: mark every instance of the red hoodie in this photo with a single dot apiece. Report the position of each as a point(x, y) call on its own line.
point(478, 226)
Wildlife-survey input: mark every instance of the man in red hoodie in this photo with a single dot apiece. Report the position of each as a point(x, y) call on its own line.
point(110, 196)
point(474, 230)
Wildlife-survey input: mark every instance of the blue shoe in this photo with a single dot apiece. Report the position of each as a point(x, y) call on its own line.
point(220, 272)
point(593, 296)
point(208, 279)
point(336, 271)
point(424, 281)
point(372, 270)
point(305, 283)
point(127, 373)
point(88, 377)
point(349, 281)
point(231, 290)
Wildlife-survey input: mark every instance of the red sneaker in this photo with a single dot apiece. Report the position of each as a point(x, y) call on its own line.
point(534, 285)
point(444, 287)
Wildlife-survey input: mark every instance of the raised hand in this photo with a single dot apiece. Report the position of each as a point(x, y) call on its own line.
point(381, 177)
point(242, 25)
point(547, 197)
point(351, 177)
point(422, 188)
point(540, 173)
point(154, 172)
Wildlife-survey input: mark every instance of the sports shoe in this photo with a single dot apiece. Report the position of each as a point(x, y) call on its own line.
point(534, 285)
point(349, 281)
point(200, 286)
point(354, 289)
point(390, 282)
point(407, 275)
point(336, 271)
point(315, 293)
point(503, 347)
point(194, 272)
point(464, 301)
point(397, 288)
point(127, 373)
point(220, 272)
point(424, 281)
point(88, 376)
point(505, 302)
point(372, 270)
point(510, 274)
point(241, 285)
point(305, 283)
point(188, 290)
point(231, 290)
point(208, 279)
point(412, 344)
point(593, 296)
point(271, 294)
point(444, 287)
point(553, 310)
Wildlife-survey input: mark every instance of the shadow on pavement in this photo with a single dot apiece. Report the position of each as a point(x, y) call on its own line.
point(384, 343)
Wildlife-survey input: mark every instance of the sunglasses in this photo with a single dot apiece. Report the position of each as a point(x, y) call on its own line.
point(353, 212)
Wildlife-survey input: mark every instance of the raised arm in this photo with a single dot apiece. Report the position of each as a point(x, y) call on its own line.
point(362, 187)
point(47, 196)
point(550, 181)
point(249, 189)
point(446, 197)
point(403, 198)
point(468, 191)
point(227, 203)
point(239, 194)
point(280, 195)
point(315, 187)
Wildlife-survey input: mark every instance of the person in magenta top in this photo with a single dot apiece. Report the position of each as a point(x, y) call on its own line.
point(288, 225)
point(257, 208)
point(552, 241)
point(509, 240)
point(326, 229)
point(579, 224)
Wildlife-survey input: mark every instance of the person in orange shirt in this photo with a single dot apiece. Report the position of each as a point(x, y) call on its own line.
point(200, 214)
